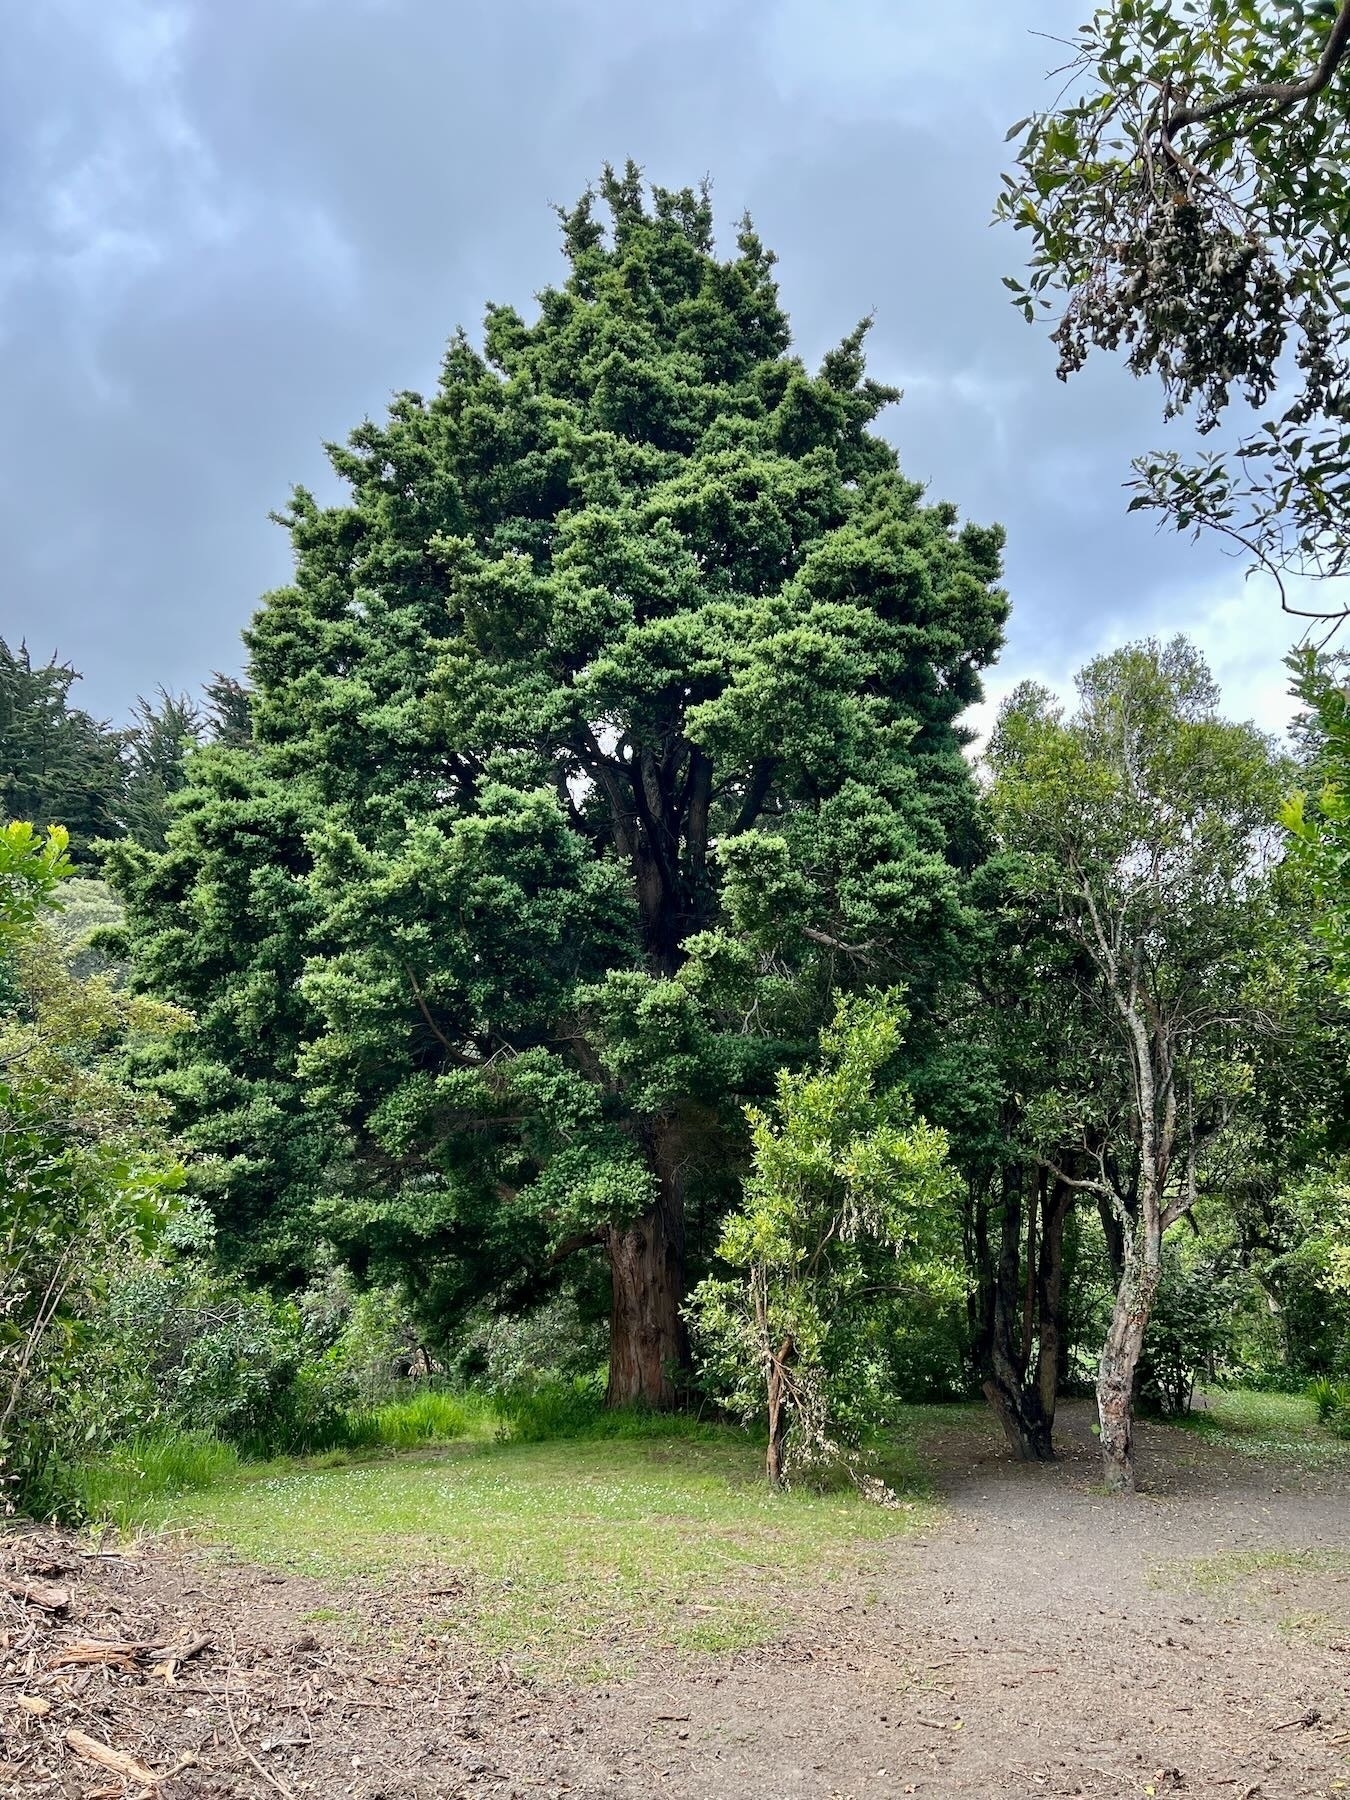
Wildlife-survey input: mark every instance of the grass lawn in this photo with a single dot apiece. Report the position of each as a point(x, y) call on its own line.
point(1279, 1428)
point(572, 1552)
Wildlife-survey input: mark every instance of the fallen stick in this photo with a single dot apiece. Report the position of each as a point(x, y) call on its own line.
point(180, 1653)
point(89, 1652)
point(287, 1793)
point(108, 1758)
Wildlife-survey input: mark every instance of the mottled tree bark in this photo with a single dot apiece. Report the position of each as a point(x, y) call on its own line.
point(1119, 1362)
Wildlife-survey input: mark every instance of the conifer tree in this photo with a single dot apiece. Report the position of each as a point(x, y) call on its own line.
point(608, 727)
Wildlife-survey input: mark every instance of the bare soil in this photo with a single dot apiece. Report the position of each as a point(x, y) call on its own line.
point(1044, 1639)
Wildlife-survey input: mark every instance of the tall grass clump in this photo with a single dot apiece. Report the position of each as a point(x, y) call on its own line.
point(538, 1412)
point(132, 1482)
point(429, 1416)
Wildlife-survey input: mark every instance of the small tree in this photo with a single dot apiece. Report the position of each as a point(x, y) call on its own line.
point(1145, 824)
point(845, 1212)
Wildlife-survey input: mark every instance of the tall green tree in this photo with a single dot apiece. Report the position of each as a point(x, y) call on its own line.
point(1027, 1034)
point(58, 764)
point(1186, 202)
point(1146, 828)
point(162, 735)
point(1317, 816)
point(606, 729)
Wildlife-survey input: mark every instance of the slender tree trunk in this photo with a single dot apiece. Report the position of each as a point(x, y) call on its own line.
point(648, 1342)
point(1050, 1356)
point(1120, 1360)
point(778, 1413)
point(1029, 1273)
point(980, 1297)
point(1016, 1406)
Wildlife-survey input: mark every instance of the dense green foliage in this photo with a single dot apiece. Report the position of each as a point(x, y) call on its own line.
point(60, 766)
point(1319, 819)
point(605, 731)
point(492, 1025)
point(86, 1177)
point(1144, 830)
point(846, 1216)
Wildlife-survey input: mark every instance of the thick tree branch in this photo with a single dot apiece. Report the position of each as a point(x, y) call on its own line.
point(755, 796)
point(1278, 96)
point(832, 943)
point(456, 1056)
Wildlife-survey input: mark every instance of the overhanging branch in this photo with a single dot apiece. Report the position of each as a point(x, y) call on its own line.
point(1275, 96)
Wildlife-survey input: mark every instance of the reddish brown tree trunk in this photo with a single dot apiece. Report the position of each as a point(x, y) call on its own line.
point(648, 1342)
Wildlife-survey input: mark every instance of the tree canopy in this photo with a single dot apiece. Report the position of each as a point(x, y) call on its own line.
point(1145, 830)
point(1186, 201)
point(606, 730)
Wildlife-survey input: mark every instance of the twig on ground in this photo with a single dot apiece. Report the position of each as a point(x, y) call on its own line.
point(267, 1775)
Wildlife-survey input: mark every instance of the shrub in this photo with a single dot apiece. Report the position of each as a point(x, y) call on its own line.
point(1190, 1331)
point(1332, 1400)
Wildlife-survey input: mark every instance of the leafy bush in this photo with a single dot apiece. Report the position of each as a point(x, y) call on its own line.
point(564, 1337)
point(846, 1217)
point(1332, 1400)
point(87, 1178)
point(1190, 1333)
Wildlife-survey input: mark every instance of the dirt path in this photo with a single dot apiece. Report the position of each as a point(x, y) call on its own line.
point(1043, 1640)
point(1048, 1640)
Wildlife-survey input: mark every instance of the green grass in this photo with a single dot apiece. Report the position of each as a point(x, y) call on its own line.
point(1278, 1428)
point(1264, 1584)
point(428, 1417)
point(1212, 1573)
point(575, 1555)
point(134, 1484)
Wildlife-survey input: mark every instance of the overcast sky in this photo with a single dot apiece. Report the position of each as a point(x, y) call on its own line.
point(229, 232)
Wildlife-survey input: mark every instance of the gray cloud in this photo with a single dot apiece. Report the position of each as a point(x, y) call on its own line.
point(228, 233)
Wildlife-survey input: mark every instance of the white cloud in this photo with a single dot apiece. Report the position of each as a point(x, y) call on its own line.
point(1238, 625)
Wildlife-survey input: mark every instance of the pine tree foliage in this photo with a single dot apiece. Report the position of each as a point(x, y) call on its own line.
point(606, 729)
